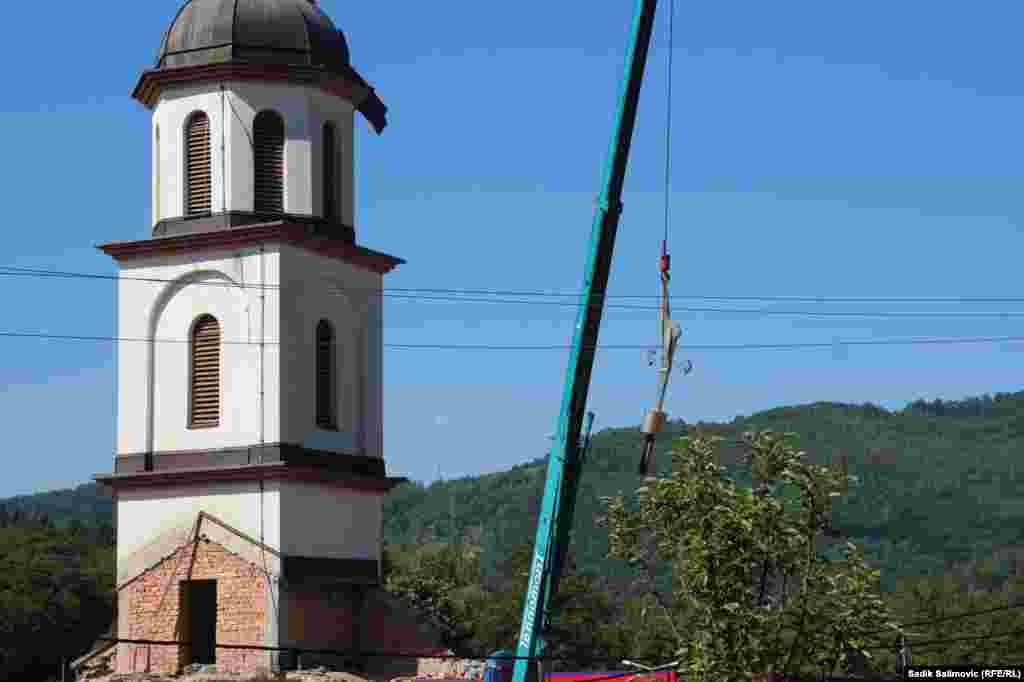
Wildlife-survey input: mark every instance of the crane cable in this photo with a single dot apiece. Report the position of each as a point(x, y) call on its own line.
point(668, 129)
point(668, 330)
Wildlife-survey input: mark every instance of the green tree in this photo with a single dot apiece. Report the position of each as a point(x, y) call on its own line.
point(753, 587)
point(442, 583)
point(584, 627)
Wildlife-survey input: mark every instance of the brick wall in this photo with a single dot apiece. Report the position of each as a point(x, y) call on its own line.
point(316, 617)
point(319, 618)
point(322, 618)
point(154, 601)
point(390, 626)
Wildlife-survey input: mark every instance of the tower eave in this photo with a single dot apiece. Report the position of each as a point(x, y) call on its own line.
point(348, 85)
point(305, 235)
point(251, 472)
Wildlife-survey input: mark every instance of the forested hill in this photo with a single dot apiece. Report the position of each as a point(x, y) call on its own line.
point(939, 484)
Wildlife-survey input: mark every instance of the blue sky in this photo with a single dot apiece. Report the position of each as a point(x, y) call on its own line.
point(862, 149)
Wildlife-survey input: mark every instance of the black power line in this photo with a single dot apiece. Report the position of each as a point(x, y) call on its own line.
point(944, 619)
point(973, 638)
point(463, 296)
point(445, 346)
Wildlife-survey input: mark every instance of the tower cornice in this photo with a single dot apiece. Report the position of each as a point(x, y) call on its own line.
point(251, 472)
point(350, 85)
point(306, 235)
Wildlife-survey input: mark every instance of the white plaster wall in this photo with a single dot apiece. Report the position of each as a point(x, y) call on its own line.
point(170, 116)
point(374, 419)
point(156, 167)
point(153, 373)
point(143, 514)
point(318, 521)
point(339, 112)
point(304, 110)
point(153, 377)
point(315, 287)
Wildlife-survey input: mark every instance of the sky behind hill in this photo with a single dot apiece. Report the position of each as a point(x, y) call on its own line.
point(819, 150)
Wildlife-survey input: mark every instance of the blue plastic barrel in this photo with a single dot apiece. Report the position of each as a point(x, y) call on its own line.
point(499, 666)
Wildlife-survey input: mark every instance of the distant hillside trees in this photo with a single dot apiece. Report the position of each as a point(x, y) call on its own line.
point(88, 504)
point(17, 518)
point(56, 593)
point(980, 406)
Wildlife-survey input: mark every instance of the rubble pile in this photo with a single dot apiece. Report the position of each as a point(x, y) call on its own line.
point(101, 669)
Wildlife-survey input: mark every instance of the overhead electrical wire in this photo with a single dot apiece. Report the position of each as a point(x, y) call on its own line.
point(731, 311)
point(944, 619)
point(490, 347)
point(19, 271)
point(407, 294)
point(928, 642)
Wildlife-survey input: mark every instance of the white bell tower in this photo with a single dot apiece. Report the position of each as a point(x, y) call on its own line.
point(249, 471)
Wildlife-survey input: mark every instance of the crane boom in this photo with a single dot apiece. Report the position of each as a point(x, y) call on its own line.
point(564, 458)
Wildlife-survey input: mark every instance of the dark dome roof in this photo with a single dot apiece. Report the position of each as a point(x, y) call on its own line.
point(293, 32)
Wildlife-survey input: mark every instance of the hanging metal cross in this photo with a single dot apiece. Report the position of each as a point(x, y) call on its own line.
point(670, 332)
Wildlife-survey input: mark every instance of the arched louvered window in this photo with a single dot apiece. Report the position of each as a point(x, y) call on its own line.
point(204, 373)
point(330, 173)
point(197, 164)
point(268, 162)
point(325, 375)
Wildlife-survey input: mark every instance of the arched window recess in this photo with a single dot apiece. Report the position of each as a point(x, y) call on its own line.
point(330, 172)
point(268, 162)
point(198, 178)
point(326, 417)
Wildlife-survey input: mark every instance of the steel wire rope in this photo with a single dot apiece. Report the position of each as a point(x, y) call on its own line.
point(668, 119)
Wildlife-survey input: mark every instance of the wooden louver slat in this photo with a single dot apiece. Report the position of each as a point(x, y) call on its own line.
point(268, 162)
point(204, 392)
point(324, 375)
point(197, 166)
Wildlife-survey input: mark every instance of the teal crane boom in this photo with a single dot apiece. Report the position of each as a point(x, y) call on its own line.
point(566, 455)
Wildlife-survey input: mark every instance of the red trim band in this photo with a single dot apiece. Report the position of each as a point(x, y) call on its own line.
point(292, 233)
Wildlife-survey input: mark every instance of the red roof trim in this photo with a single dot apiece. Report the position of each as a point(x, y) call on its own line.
point(248, 473)
point(352, 86)
point(292, 233)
